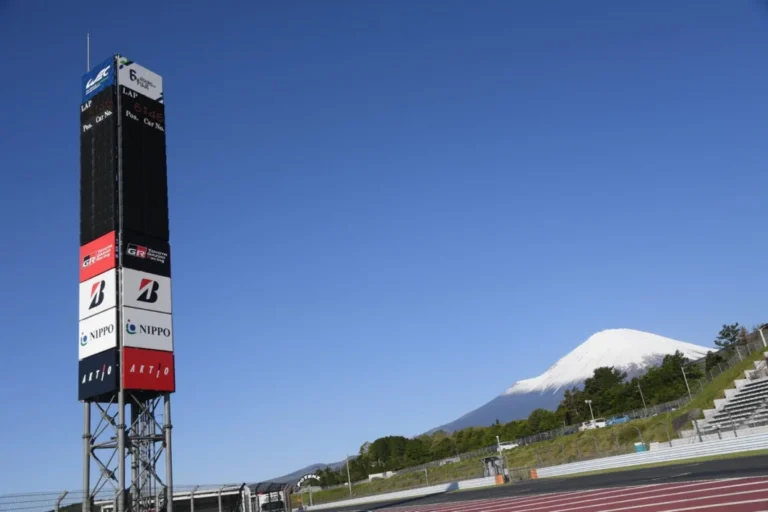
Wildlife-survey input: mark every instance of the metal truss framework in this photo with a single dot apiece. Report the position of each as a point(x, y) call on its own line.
point(143, 441)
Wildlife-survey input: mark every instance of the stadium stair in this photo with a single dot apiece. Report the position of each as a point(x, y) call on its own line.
point(746, 403)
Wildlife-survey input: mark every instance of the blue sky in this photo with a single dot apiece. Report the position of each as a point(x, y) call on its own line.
point(384, 213)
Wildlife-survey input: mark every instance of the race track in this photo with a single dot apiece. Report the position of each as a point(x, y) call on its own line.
point(737, 485)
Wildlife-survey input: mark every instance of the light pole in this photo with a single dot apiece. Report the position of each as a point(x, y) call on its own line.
point(686, 383)
point(589, 403)
point(349, 479)
point(645, 407)
point(760, 330)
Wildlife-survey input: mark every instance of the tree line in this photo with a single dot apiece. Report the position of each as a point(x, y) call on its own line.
point(609, 389)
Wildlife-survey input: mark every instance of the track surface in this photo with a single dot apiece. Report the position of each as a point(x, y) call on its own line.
point(737, 485)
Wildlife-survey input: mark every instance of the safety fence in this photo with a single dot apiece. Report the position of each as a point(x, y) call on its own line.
point(713, 448)
point(72, 501)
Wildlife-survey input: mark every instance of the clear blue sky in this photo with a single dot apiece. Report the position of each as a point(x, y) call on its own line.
point(384, 213)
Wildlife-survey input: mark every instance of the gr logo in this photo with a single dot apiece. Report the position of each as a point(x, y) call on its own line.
point(138, 251)
point(148, 291)
point(97, 294)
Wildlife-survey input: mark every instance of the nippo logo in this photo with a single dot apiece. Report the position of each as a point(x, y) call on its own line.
point(138, 251)
point(96, 334)
point(150, 330)
point(97, 294)
point(148, 291)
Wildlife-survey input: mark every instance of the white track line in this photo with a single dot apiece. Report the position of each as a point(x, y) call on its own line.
point(635, 498)
point(594, 499)
point(646, 505)
point(713, 505)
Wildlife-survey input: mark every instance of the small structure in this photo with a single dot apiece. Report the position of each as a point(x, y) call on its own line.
point(494, 466)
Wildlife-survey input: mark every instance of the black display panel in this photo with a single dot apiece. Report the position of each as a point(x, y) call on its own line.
point(144, 173)
point(146, 254)
point(98, 166)
point(99, 376)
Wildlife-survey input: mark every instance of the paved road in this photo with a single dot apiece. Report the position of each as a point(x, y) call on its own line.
point(728, 468)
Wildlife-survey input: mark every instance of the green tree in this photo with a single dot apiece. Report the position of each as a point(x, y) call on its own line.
point(728, 336)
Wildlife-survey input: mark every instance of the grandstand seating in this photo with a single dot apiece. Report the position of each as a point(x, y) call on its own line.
point(747, 404)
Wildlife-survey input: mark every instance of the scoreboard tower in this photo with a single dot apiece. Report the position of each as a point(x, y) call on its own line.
point(126, 369)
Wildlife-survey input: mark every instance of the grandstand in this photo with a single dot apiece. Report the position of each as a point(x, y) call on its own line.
point(261, 497)
point(744, 405)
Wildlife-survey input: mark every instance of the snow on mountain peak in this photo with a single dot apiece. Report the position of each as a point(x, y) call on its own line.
point(625, 349)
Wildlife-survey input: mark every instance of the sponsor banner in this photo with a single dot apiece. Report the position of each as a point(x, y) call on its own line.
point(149, 370)
point(147, 329)
point(98, 333)
point(97, 256)
point(98, 294)
point(98, 78)
point(99, 375)
point(139, 79)
point(146, 291)
point(146, 254)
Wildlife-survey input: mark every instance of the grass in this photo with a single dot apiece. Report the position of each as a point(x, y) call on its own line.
point(465, 469)
point(591, 444)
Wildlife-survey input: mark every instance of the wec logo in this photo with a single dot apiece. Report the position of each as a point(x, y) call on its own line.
point(96, 81)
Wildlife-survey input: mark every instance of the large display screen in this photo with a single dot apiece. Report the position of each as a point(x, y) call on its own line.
point(145, 181)
point(98, 166)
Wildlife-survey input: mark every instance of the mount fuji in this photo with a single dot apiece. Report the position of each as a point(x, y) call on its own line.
point(628, 350)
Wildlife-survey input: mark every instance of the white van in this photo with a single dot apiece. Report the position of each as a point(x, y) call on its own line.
point(506, 445)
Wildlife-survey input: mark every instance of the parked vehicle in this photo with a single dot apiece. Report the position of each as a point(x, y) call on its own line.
point(618, 420)
point(507, 445)
point(593, 424)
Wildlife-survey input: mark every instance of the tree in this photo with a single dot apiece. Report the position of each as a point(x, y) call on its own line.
point(712, 360)
point(729, 335)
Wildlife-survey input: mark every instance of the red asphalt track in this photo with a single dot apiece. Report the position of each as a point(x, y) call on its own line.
point(730, 494)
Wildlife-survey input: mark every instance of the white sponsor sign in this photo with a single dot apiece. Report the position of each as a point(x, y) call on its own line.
point(146, 291)
point(147, 329)
point(139, 79)
point(98, 294)
point(98, 333)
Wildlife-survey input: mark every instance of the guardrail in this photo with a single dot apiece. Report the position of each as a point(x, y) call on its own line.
point(719, 447)
point(411, 493)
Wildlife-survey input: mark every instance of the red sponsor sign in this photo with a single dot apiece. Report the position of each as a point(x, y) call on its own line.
point(150, 370)
point(97, 256)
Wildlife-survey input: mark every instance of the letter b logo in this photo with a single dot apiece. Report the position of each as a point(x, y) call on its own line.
point(97, 294)
point(148, 289)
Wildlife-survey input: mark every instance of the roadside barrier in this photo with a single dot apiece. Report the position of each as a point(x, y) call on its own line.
point(710, 448)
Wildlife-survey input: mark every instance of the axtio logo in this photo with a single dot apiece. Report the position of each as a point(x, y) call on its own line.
point(151, 370)
point(98, 375)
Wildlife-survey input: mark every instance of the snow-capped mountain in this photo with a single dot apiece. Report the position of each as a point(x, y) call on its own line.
point(625, 349)
point(629, 350)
